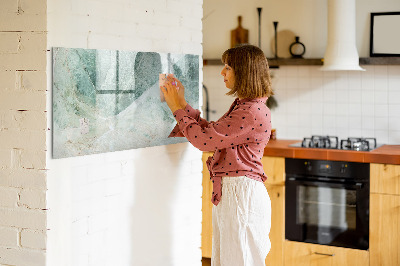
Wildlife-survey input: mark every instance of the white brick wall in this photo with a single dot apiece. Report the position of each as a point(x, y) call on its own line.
point(136, 207)
point(23, 132)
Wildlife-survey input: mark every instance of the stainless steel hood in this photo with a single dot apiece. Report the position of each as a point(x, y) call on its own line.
point(341, 51)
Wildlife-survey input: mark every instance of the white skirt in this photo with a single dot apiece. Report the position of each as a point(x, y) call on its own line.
point(241, 223)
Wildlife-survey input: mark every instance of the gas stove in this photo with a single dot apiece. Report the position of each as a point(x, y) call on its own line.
point(332, 142)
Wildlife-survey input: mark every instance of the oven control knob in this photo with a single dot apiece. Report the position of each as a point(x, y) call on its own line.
point(343, 168)
point(308, 166)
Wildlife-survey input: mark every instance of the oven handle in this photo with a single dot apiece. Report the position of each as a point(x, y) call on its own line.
point(357, 185)
point(324, 254)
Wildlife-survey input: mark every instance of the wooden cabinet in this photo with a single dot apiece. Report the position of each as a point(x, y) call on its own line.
point(206, 226)
point(385, 215)
point(304, 254)
point(274, 168)
point(385, 178)
point(277, 233)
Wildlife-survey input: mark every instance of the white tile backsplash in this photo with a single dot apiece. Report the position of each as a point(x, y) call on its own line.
point(345, 103)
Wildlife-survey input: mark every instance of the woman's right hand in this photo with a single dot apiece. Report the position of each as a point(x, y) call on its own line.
point(181, 91)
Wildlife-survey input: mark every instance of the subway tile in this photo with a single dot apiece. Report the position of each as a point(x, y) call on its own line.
point(367, 96)
point(329, 122)
point(279, 72)
point(329, 109)
point(394, 70)
point(382, 136)
point(394, 97)
point(291, 71)
point(355, 132)
point(380, 71)
point(367, 133)
point(394, 83)
point(342, 82)
point(342, 133)
point(355, 96)
point(367, 110)
point(304, 72)
point(292, 82)
point(329, 94)
point(381, 97)
point(317, 95)
point(305, 95)
point(380, 84)
point(342, 109)
point(367, 122)
point(381, 110)
point(342, 96)
point(367, 83)
point(355, 122)
point(369, 70)
point(304, 82)
point(382, 123)
point(394, 137)
point(355, 109)
point(394, 123)
point(317, 107)
point(394, 110)
point(317, 120)
point(354, 82)
point(316, 83)
point(342, 122)
point(317, 131)
point(315, 72)
point(328, 74)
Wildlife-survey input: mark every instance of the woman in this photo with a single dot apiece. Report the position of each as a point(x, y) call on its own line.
point(242, 208)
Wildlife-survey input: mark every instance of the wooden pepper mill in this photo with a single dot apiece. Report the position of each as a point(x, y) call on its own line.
point(239, 35)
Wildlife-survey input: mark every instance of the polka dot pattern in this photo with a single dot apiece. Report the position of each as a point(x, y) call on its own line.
point(238, 139)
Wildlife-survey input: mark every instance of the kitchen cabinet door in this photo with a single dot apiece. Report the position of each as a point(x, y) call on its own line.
point(385, 178)
point(305, 254)
point(277, 233)
point(274, 168)
point(384, 236)
point(206, 225)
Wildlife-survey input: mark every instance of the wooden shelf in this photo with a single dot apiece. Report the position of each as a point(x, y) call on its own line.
point(274, 63)
point(380, 61)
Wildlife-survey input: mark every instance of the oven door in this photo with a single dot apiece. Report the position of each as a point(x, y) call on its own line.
point(327, 213)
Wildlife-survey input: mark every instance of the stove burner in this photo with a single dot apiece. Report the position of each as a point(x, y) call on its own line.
point(358, 144)
point(328, 142)
point(332, 142)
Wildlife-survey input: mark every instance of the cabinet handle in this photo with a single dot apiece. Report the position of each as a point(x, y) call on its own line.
point(324, 254)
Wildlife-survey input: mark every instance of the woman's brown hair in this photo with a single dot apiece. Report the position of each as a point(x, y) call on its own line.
point(250, 66)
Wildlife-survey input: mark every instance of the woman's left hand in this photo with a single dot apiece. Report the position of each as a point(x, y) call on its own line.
point(170, 90)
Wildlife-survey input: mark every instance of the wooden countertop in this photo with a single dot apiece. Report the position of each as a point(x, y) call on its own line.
point(389, 154)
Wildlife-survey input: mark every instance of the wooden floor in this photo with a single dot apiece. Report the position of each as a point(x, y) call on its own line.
point(206, 261)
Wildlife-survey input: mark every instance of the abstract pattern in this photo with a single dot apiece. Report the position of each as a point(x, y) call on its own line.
point(109, 100)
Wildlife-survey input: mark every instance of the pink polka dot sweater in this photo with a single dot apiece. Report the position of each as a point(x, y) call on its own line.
point(238, 139)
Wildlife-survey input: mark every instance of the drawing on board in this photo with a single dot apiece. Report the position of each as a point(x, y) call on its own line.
point(109, 100)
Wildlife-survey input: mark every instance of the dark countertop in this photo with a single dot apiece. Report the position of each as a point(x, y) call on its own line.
point(389, 154)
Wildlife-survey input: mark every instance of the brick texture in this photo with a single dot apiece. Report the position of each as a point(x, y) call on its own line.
point(23, 126)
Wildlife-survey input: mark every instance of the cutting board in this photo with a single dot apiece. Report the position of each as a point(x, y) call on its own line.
point(239, 35)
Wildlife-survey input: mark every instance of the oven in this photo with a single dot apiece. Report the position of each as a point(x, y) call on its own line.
point(327, 202)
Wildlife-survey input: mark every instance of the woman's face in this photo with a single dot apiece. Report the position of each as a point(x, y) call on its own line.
point(229, 76)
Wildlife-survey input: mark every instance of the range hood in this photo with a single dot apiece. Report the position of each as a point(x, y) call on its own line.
point(341, 51)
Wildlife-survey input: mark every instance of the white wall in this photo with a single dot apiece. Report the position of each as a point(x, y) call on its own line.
point(311, 102)
point(135, 207)
point(305, 18)
point(23, 133)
